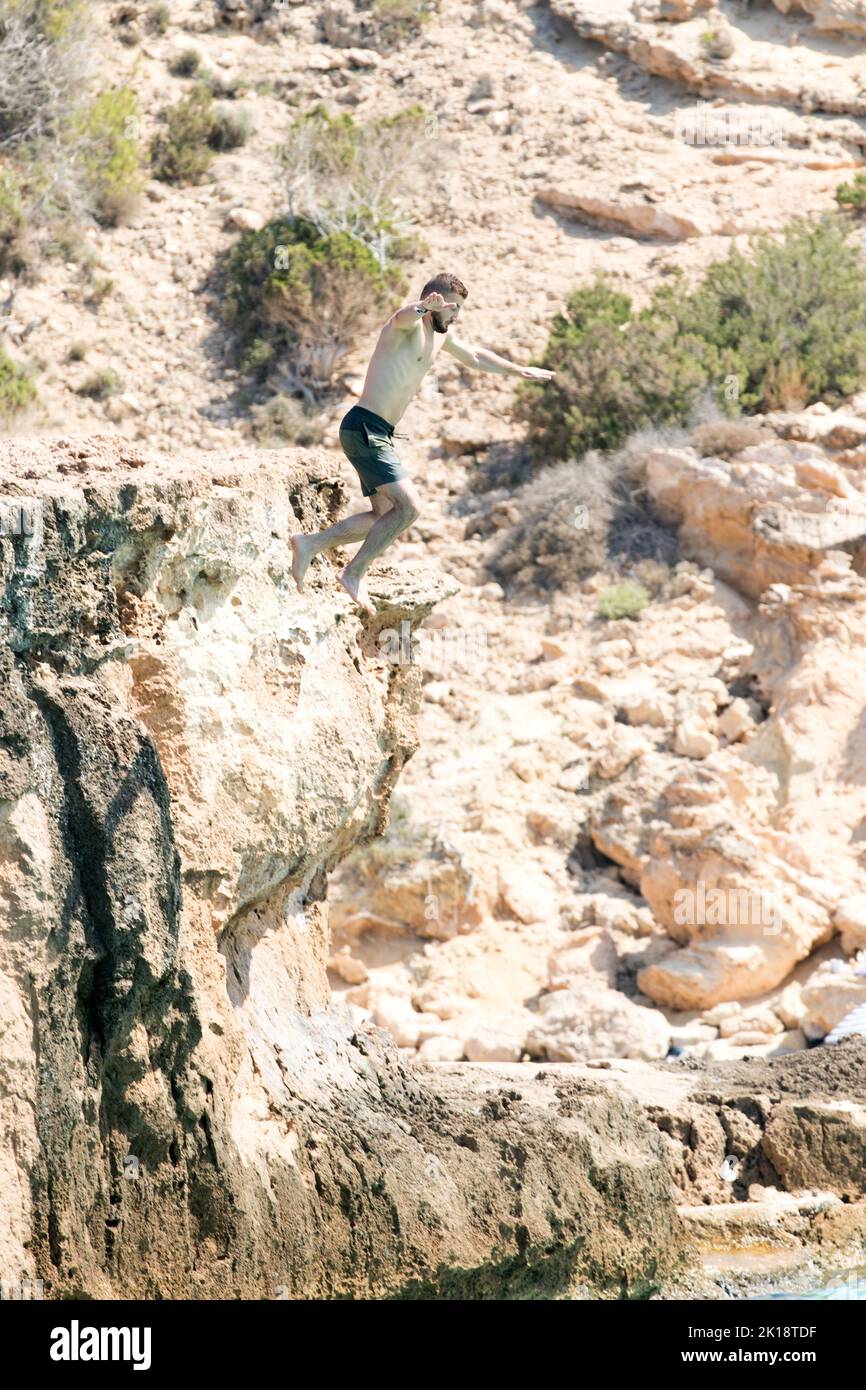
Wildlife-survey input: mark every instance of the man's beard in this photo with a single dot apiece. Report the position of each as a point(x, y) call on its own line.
point(438, 325)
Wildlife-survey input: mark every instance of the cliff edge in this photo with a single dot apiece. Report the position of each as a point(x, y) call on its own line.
point(187, 749)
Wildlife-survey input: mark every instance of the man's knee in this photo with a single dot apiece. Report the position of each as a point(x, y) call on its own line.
point(405, 502)
point(408, 511)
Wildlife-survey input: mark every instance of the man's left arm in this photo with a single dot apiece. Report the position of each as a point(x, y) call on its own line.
point(483, 360)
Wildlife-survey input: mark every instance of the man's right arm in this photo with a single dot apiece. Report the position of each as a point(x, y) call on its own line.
point(409, 315)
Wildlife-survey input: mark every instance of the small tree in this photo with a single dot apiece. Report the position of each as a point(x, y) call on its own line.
point(346, 177)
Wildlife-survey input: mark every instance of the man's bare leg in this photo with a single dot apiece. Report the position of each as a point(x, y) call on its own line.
point(404, 509)
point(351, 528)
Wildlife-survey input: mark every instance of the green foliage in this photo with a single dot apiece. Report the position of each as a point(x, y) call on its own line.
point(794, 311)
point(182, 152)
point(231, 129)
point(229, 87)
point(283, 420)
point(297, 300)
point(111, 156)
point(718, 43)
point(195, 129)
point(75, 147)
point(781, 327)
point(404, 842)
point(615, 374)
point(56, 18)
point(625, 600)
point(98, 288)
point(853, 195)
point(17, 390)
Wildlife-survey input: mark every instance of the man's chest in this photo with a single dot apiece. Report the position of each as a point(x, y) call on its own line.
point(424, 346)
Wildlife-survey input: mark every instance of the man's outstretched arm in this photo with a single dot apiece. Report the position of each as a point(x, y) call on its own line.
point(483, 360)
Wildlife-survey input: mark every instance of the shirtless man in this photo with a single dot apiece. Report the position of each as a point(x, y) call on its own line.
point(407, 346)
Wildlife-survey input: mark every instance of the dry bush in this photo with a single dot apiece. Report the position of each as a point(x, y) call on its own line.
point(580, 516)
point(284, 420)
point(725, 438)
point(69, 149)
point(349, 177)
point(47, 58)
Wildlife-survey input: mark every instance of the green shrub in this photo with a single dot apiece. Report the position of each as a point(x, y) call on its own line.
point(195, 129)
point(99, 287)
point(852, 195)
point(625, 600)
point(781, 327)
point(17, 390)
point(298, 300)
point(47, 59)
point(227, 87)
point(100, 385)
point(718, 43)
point(76, 352)
point(70, 149)
point(615, 374)
point(111, 154)
point(405, 840)
point(793, 311)
point(182, 153)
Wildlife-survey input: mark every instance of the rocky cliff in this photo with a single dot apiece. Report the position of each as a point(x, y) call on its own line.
point(187, 748)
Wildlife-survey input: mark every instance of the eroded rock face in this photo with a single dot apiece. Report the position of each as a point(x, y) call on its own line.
point(829, 16)
point(750, 64)
point(187, 747)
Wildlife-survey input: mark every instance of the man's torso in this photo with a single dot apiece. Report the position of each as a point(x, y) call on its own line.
point(397, 368)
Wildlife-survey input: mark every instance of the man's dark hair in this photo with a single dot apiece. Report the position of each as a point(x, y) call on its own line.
point(444, 284)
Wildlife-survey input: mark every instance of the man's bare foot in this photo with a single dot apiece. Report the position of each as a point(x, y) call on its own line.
point(303, 551)
point(357, 589)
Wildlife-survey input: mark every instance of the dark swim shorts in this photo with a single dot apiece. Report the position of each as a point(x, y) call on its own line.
point(367, 443)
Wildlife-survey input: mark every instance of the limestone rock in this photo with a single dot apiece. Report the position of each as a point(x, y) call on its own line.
point(578, 1023)
point(850, 918)
point(177, 782)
